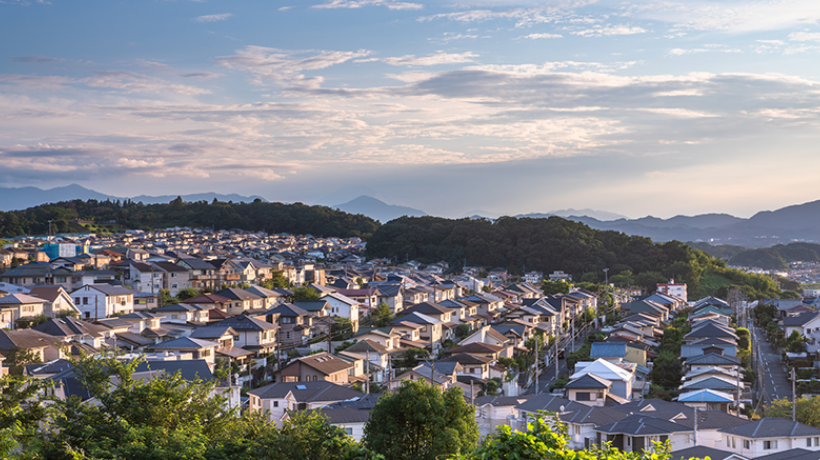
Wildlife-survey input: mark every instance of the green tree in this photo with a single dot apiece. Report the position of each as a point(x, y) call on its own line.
point(420, 422)
point(18, 358)
point(187, 293)
point(795, 343)
point(546, 438)
point(555, 287)
point(744, 337)
point(808, 410)
point(382, 315)
point(413, 355)
point(305, 294)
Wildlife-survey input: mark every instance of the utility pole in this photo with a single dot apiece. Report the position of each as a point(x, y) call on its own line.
point(794, 398)
point(367, 371)
point(536, 365)
point(472, 393)
point(695, 433)
point(557, 338)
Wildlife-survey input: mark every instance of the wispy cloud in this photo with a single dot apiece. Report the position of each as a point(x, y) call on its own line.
point(711, 48)
point(213, 17)
point(607, 31)
point(543, 35)
point(805, 36)
point(430, 60)
point(391, 4)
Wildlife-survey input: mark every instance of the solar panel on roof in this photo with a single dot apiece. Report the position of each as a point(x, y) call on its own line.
point(301, 387)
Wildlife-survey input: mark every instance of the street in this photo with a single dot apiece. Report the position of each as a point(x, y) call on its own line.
point(773, 371)
point(547, 376)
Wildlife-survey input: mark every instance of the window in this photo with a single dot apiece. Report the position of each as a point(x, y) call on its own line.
point(769, 445)
point(733, 443)
point(816, 442)
point(85, 300)
point(276, 404)
point(808, 442)
point(349, 431)
point(747, 444)
point(174, 286)
point(582, 396)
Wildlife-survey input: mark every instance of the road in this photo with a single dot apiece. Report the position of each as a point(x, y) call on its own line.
point(775, 383)
point(547, 376)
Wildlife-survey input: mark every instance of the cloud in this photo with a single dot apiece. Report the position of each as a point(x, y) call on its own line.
point(286, 67)
point(602, 31)
point(538, 36)
point(285, 8)
point(804, 36)
point(523, 16)
point(705, 49)
point(201, 75)
point(734, 16)
point(213, 17)
point(391, 4)
point(433, 59)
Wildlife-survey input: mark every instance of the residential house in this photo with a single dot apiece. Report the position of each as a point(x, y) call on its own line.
point(201, 273)
point(344, 307)
point(241, 301)
point(769, 436)
point(320, 366)
point(103, 300)
point(197, 348)
point(252, 334)
point(622, 380)
point(277, 399)
point(295, 324)
point(19, 309)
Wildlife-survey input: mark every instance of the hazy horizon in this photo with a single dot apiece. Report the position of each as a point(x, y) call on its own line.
point(509, 106)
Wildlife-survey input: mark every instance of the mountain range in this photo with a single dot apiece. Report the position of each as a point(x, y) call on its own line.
point(15, 198)
point(765, 229)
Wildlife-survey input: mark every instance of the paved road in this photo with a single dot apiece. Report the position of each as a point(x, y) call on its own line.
point(547, 376)
point(775, 383)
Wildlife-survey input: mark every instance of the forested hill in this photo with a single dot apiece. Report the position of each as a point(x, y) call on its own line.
point(777, 257)
point(256, 216)
point(558, 244)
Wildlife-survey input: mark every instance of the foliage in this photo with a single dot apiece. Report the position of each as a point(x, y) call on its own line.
point(808, 410)
point(420, 422)
point(559, 244)
point(744, 338)
point(187, 293)
point(344, 346)
point(794, 343)
point(294, 218)
point(383, 315)
point(413, 355)
point(555, 287)
point(463, 330)
point(546, 438)
point(17, 359)
point(277, 281)
point(305, 293)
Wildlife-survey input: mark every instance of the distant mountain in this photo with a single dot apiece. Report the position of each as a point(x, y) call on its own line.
point(347, 193)
point(12, 198)
point(569, 213)
point(377, 209)
point(764, 229)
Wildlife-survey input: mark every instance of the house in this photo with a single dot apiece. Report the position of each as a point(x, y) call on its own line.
point(425, 372)
point(769, 436)
point(806, 324)
point(588, 389)
point(344, 307)
point(201, 273)
point(41, 345)
point(57, 301)
point(219, 302)
point(103, 300)
point(477, 367)
point(197, 348)
point(351, 416)
point(252, 334)
point(176, 277)
point(376, 354)
point(320, 366)
point(646, 306)
point(278, 398)
point(241, 300)
point(616, 351)
point(673, 289)
point(622, 380)
point(295, 323)
point(183, 313)
point(432, 329)
point(637, 432)
point(72, 329)
point(270, 297)
point(17, 310)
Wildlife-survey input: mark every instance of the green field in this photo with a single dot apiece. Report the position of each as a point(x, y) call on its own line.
point(710, 283)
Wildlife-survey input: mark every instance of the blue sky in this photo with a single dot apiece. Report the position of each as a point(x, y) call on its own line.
point(634, 107)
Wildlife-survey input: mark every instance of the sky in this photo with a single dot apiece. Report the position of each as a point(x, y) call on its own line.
point(633, 107)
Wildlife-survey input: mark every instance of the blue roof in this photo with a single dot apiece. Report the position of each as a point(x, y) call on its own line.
point(607, 350)
point(705, 396)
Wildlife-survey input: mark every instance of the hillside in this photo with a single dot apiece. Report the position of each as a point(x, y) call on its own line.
point(553, 244)
point(721, 251)
point(12, 198)
point(294, 218)
point(777, 257)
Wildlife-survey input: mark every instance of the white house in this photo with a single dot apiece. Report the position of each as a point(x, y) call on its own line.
point(103, 300)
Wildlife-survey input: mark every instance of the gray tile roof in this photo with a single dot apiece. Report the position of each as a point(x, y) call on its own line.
point(318, 391)
point(701, 452)
point(642, 425)
point(772, 428)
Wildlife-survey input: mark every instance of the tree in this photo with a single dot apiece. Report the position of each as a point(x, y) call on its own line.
point(808, 410)
point(555, 287)
point(18, 358)
point(277, 281)
point(382, 315)
point(744, 337)
point(187, 293)
point(795, 343)
point(305, 294)
point(413, 355)
point(420, 422)
point(546, 438)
